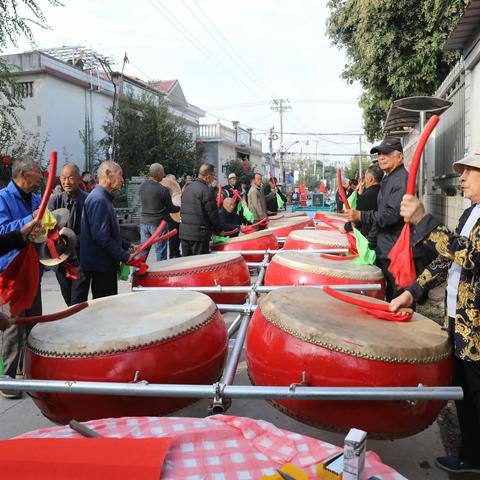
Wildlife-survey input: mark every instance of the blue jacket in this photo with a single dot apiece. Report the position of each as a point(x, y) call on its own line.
point(14, 214)
point(101, 248)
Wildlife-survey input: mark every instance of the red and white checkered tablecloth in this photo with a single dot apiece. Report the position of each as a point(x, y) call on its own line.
point(222, 447)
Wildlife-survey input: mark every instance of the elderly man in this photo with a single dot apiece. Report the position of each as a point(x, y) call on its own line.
point(72, 198)
point(156, 205)
point(257, 200)
point(101, 248)
point(199, 213)
point(18, 205)
point(386, 223)
point(229, 189)
point(458, 263)
point(229, 218)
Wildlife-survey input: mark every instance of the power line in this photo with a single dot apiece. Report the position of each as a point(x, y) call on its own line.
point(253, 79)
point(273, 94)
point(198, 45)
point(265, 102)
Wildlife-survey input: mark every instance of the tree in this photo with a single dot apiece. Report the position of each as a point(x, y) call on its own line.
point(14, 24)
point(146, 133)
point(242, 169)
point(394, 49)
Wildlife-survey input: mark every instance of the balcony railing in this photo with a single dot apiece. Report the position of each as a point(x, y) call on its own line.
point(218, 132)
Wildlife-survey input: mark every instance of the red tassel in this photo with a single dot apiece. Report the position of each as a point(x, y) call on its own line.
point(19, 282)
point(401, 260)
point(71, 271)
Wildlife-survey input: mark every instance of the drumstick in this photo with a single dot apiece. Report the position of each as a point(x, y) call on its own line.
point(151, 240)
point(274, 219)
point(169, 234)
point(51, 317)
point(84, 430)
point(48, 191)
point(329, 256)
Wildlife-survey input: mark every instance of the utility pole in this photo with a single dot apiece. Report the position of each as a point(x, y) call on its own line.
point(270, 149)
point(281, 105)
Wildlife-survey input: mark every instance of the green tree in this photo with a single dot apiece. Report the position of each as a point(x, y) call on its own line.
point(146, 133)
point(394, 49)
point(16, 17)
point(242, 169)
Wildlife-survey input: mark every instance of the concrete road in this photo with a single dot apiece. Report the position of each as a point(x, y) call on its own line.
point(413, 457)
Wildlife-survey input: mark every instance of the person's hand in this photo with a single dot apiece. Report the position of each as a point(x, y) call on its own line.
point(402, 301)
point(31, 229)
point(4, 322)
point(342, 230)
point(411, 209)
point(353, 215)
point(132, 248)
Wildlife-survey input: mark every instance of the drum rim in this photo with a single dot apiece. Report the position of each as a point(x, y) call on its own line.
point(296, 234)
point(215, 267)
point(271, 318)
point(250, 236)
point(365, 274)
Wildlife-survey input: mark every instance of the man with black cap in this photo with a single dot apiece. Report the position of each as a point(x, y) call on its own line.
point(385, 222)
point(458, 263)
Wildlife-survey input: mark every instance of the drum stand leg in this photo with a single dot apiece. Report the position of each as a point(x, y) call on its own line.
point(220, 404)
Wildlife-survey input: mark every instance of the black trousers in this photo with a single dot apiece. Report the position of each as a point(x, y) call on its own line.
point(73, 291)
point(103, 284)
point(391, 290)
point(174, 242)
point(192, 247)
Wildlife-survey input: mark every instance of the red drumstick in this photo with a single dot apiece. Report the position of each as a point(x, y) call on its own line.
point(329, 256)
point(341, 190)
point(169, 234)
point(152, 239)
point(48, 191)
point(219, 196)
point(274, 219)
point(230, 232)
point(51, 316)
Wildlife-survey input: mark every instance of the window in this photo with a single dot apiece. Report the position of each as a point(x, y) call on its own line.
point(23, 90)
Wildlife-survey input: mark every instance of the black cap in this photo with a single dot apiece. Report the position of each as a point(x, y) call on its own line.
point(387, 146)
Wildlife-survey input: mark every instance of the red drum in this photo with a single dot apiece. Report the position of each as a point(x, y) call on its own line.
point(261, 240)
point(286, 216)
point(298, 268)
point(282, 228)
point(225, 269)
point(299, 330)
point(315, 240)
point(333, 219)
point(160, 337)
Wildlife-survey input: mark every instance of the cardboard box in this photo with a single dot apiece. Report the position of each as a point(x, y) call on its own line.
point(354, 454)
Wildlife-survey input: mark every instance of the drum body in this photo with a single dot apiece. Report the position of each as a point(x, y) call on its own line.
point(225, 269)
point(338, 346)
point(294, 268)
point(281, 228)
point(330, 219)
point(128, 338)
point(261, 240)
point(315, 240)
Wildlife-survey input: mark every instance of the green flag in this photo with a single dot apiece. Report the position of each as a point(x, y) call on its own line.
point(352, 201)
point(248, 214)
point(219, 240)
point(365, 254)
point(280, 202)
point(124, 272)
point(1, 366)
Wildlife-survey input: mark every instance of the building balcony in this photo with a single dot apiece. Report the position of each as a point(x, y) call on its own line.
point(238, 137)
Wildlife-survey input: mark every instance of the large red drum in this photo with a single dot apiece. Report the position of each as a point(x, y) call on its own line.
point(261, 240)
point(281, 228)
point(298, 330)
point(330, 219)
point(225, 269)
point(299, 268)
point(175, 337)
point(315, 240)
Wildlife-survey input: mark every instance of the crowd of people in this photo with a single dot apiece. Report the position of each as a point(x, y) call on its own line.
point(208, 209)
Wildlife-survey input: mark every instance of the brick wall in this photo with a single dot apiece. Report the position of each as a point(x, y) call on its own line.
point(446, 209)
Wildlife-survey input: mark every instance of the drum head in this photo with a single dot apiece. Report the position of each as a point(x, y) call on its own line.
point(315, 263)
point(322, 237)
point(250, 236)
point(196, 261)
point(288, 222)
point(123, 322)
point(313, 316)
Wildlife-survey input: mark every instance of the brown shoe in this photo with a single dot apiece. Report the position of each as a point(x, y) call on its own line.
point(11, 394)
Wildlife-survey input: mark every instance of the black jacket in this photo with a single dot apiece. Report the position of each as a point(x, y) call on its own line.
point(11, 241)
point(229, 221)
point(272, 205)
point(73, 204)
point(156, 202)
point(366, 201)
point(385, 222)
point(199, 213)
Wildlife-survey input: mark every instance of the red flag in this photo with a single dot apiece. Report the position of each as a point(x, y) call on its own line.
point(19, 282)
point(322, 188)
point(401, 256)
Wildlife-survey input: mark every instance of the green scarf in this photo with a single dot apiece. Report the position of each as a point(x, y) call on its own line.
point(366, 256)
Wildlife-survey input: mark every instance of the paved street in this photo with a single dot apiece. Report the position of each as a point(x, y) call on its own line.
point(413, 457)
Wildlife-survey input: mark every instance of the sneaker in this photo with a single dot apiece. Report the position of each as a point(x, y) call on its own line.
point(454, 465)
point(11, 394)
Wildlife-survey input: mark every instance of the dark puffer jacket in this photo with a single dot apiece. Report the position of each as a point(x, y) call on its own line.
point(199, 213)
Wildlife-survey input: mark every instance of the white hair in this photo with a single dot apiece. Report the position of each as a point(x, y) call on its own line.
point(107, 166)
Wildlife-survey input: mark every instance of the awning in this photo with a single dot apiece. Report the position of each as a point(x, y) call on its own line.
point(404, 113)
point(466, 27)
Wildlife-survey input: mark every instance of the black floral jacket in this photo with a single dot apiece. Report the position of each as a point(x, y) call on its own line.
point(466, 252)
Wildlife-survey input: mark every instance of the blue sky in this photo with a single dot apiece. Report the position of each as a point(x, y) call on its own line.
point(282, 42)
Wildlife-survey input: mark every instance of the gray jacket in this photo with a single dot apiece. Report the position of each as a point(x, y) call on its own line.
point(257, 202)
